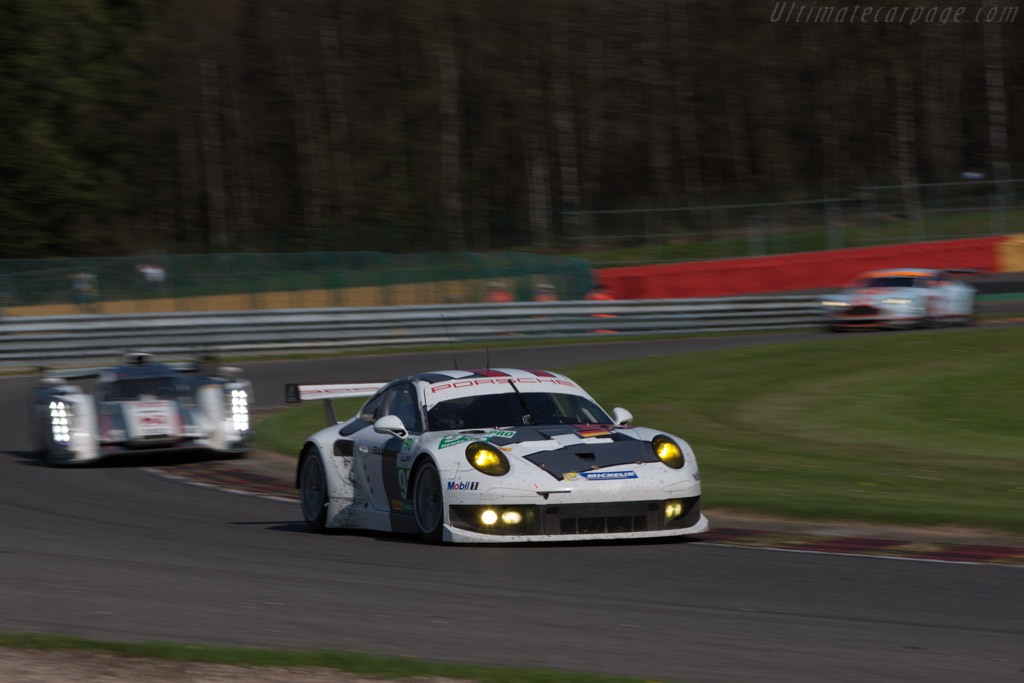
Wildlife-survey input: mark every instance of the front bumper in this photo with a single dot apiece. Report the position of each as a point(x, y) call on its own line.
point(69, 456)
point(576, 521)
point(871, 316)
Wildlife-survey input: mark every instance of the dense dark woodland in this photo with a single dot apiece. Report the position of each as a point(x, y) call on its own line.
point(212, 125)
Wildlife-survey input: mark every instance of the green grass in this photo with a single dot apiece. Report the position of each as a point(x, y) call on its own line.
point(354, 662)
point(901, 428)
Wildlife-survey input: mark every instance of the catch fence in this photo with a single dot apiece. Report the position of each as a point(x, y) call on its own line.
point(214, 282)
point(865, 216)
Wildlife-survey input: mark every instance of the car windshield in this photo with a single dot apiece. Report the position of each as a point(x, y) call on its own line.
point(888, 281)
point(507, 410)
point(131, 389)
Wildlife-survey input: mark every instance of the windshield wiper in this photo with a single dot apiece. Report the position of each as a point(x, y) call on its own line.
point(533, 420)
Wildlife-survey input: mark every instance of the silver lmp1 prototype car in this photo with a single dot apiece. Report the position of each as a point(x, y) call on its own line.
point(907, 297)
point(495, 455)
point(140, 405)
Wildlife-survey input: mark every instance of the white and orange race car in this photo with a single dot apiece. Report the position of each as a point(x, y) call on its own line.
point(493, 455)
point(900, 297)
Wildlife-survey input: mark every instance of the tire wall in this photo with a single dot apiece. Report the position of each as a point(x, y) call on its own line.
point(811, 270)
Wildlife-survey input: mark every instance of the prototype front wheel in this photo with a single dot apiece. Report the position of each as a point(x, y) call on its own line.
point(313, 492)
point(428, 502)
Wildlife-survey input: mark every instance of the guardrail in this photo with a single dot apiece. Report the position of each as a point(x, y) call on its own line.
point(67, 339)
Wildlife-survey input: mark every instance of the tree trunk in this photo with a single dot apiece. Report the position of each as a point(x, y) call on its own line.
point(451, 196)
point(995, 87)
point(659, 116)
point(213, 153)
point(565, 123)
point(337, 116)
point(535, 156)
point(686, 102)
point(905, 152)
point(190, 234)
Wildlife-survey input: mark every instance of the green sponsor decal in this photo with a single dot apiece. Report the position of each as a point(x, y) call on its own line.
point(455, 439)
point(407, 444)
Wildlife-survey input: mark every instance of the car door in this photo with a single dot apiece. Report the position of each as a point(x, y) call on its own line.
point(377, 455)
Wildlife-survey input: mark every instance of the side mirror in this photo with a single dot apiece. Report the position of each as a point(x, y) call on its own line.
point(390, 424)
point(622, 417)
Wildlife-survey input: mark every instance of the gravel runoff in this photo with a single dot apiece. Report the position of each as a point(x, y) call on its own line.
point(58, 666)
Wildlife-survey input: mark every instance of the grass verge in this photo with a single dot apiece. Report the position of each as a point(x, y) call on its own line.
point(893, 428)
point(353, 662)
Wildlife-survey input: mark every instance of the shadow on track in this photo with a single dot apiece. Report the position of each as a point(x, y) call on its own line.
point(385, 537)
point(133, 459)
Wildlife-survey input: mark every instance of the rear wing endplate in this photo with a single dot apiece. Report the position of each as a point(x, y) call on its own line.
point(297, 393)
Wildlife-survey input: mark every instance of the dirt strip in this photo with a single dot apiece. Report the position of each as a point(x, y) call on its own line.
point(57, 666)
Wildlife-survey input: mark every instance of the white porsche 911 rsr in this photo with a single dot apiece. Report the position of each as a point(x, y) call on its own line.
point(140, 405)
point(893, 298)
point(495, 455)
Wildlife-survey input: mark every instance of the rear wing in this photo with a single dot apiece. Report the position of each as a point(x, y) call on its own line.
point(129, 359)
point(297, 393)
point(79, 373)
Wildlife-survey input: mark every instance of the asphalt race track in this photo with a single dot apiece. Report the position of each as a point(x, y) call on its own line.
point(115, 552)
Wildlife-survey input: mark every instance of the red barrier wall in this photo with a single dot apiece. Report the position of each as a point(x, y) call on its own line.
point(811, 270)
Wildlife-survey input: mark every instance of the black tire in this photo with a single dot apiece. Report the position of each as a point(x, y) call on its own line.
point(313, 491)
point(428, 502)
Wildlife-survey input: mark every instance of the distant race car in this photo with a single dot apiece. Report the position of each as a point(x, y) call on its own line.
point(472, 456)
point(900, 297)
point(140, 405)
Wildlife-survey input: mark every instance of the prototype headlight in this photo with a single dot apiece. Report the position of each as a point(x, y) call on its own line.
point(841, 304)
point(239, 405)
point(487, 459)
point(60, 421)
point(896, 302)
point(668, 452)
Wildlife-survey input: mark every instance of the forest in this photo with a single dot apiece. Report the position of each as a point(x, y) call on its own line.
point(189, 126)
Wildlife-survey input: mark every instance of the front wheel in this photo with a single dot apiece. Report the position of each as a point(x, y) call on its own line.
point(428, 502)
point(313, 492)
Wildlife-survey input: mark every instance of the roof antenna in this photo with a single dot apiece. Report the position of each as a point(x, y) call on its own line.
point(488, 350)
point(450, 344)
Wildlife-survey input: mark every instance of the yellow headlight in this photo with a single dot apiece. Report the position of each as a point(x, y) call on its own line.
point(489, 517)
point(673, 509)
point(487, 458)
point(668, 452)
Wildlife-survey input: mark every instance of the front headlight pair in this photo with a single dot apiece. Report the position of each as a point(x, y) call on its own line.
point(488, 459)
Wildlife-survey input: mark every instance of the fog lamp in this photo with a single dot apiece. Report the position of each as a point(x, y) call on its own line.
point(511, 517)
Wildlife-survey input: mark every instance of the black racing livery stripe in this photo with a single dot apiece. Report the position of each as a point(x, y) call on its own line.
point(589, 456)
point(401, 519)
